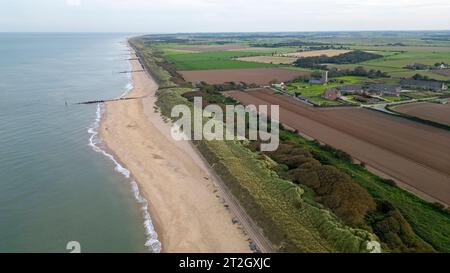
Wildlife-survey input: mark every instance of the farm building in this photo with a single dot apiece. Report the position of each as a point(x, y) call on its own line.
point(418, 66)
point(383, 89)
point(351, 89)
point(372, 89)
point(281, 86)
point(332, 94)
point(425, 85)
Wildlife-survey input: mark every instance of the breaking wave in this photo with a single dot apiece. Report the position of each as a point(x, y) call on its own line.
point(152, 243)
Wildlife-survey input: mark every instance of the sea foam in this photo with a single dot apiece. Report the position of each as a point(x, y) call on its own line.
point(152, 243)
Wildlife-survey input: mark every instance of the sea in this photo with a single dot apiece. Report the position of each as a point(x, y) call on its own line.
point(61, 191)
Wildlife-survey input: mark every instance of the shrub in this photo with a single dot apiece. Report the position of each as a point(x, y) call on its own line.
point(394, 231)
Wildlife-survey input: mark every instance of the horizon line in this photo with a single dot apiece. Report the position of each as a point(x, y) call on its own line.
point(221, 32)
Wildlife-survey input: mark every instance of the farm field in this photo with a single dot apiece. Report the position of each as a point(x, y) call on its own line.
point(425, 110)
point(269, 59)
point(261, 76)
point(218, 57)
point(212, 60)
point(397, 58)
point(209, 48)
point(411, 153)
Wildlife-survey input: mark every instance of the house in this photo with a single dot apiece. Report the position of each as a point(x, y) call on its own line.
point(332, 94)
point(434, 86)
point(441, 66)
point(281, 86)
point(418, 66)
point(383, 89)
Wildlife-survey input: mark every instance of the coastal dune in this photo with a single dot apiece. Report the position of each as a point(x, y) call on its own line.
point(184, 202)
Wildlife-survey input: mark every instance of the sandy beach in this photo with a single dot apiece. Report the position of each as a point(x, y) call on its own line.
point(185, 205)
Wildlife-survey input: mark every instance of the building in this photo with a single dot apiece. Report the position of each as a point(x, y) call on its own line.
point(418, 66)
point(332, 94)
point(325, 77)
point(434, 86)
point(383, 89)
point(323, 80)
point(351, 89)
point(281, 86)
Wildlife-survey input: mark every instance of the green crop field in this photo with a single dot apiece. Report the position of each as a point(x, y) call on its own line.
point(183, 59)
point(212, 60)
point(397, 58)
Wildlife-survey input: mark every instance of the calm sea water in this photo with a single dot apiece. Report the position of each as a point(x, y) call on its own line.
point(54, 188)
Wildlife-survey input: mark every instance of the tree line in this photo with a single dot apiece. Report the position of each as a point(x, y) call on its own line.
point(352, 57)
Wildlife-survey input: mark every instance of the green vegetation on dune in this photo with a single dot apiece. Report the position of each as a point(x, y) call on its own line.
point(430, 222)
point(288, 217)
point(278, 205)
point(149, 58)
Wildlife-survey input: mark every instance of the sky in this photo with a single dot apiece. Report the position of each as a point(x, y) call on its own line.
point(169, 16)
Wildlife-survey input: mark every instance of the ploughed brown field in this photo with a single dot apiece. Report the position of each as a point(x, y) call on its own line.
point(214, 48)
point(430, 111)
point(416, 155)
point(259, 76)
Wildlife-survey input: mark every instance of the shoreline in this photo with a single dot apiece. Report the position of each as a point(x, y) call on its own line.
point(187, 212)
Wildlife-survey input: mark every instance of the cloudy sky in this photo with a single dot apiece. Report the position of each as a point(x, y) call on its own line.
point(164, 16)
